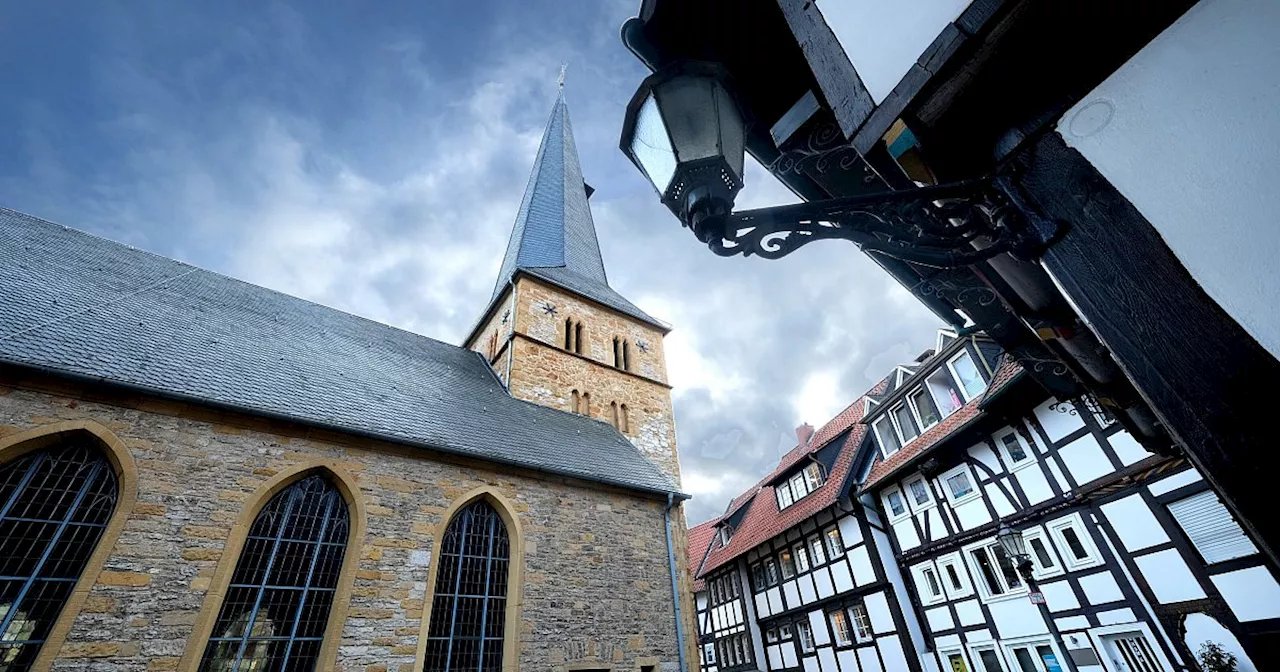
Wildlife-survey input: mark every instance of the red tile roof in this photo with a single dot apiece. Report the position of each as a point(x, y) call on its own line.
point(1007, 371)
point(700, 538)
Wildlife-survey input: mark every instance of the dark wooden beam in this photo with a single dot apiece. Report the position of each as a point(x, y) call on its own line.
point(1202, 374)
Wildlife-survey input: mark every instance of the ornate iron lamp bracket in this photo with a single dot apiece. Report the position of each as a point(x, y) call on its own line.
point(944, 226)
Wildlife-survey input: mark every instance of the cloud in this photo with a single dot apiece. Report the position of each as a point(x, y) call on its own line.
point(374, 162)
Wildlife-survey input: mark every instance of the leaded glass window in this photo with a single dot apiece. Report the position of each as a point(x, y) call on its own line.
point(54, 506)
point(468, 611)
point(277, 606)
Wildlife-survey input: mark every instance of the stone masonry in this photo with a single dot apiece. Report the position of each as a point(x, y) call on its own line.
point(529, 345)
point(596, 584)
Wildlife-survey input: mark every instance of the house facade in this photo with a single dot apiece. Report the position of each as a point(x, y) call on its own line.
point(201, 474)
point(1136, 559)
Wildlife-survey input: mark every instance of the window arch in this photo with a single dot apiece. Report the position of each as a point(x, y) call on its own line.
point(57, 502)
point(568, 333)
point(468, 625)
point(617, 421)
point(276, 609)
point(586, 404)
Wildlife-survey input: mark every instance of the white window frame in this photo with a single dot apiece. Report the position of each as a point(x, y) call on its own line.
point(817, 543)
point(893, 428)
point(1008, 645)
point(1030, 452)
point(915, 408)
point(975, 487)
point(806, 641)
point(726, 535)
point(858, 635)
point(800, 553)
point(911, 496)
point(826, 541)
point(922, 583)
point(955, 560)
point(975, 651)
point(782, 565)
point(980, 584)
point(1038, 568)
point(950, 378)
point(1074, 521)
point(783, 494)
point(951, 366)
point(906, 509)
point(797, 485)
point(944, 658)
point(813, 478)
point(897, 426)
point(772, 574)
point(835, 631)
point(943, 333)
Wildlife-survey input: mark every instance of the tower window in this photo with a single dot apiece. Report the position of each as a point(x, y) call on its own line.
point(586, 404)
point(568, 333)
point(577, 337)
point(626, 355)
point(617, 419)
point(575, 402)
point(277, 606)
point(626, 421)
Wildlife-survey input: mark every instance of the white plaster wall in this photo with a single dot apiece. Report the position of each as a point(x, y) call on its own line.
point(868, 659)
point(1017, 617)
point(818, 623)
point(827, 658)
point(1252, 593)
point(1127, 448)
point(905, 531)
point(1134, 523)
point(970, 613)
point(891, 651)
point(1169, 577)
point(1187, 131)
point(878, 612)
point(883, 40)
point(972, 513)
point(1034, 485)
point(1056, 423)
point(860, 561)
point(1085, 459)
point(939, 618)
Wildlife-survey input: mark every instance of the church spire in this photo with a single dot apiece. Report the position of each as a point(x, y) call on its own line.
point(554, 228)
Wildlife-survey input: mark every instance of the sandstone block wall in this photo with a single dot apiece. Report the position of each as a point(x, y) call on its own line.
point(596, 586)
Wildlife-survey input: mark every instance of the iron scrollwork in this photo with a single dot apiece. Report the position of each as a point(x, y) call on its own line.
point(944, 226)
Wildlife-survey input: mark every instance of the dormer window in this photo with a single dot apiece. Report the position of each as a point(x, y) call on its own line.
point(906, 425)
point(799, 485)
point(919, 400)
point(726, 534)
point(966, 372)
point(943, 392)
point(889, 443)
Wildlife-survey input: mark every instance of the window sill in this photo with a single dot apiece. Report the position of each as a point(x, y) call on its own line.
point(1006, 597)
point(969, 497)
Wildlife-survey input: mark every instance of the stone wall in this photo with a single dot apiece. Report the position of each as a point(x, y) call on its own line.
point(496, 332)
point(596, 585)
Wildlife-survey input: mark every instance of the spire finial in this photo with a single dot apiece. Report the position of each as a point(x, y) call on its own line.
point(560, 79)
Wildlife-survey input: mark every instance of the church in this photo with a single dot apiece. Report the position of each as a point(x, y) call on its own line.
point(201, 474)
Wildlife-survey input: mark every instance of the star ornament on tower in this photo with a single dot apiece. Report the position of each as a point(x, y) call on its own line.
point(686, 132)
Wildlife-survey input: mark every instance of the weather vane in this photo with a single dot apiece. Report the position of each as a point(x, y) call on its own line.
point(560, 79)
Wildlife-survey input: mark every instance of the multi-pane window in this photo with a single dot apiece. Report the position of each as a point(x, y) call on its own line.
point(907, 426)
point(469, 608)
point(758, 580)
point(967, 375)
point(805, 636)
point(771, 571)
point(54, 506)
point(788, 564)
point(996, 569)
point(835, 545)
point(783, 493)
point(889, 443)
point(861, 623)
point(931, 583)
point(802, 558)
point(924, 410)
point(840, 628)
point(813, 477)
point(1077, 551)
point(815, 550)
point(798, 488)
point(277, 606)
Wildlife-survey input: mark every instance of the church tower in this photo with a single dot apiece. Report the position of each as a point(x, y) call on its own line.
point(555, 332)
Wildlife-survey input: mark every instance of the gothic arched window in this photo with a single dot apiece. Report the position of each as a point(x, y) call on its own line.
point(568, 333)
point(54, 506)
point(469, 607)
point(277, 605)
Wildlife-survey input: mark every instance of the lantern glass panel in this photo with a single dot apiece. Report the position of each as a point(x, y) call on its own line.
point(688, 106)
point(651, 146)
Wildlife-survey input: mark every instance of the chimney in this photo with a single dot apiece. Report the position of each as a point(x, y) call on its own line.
point(803, 434)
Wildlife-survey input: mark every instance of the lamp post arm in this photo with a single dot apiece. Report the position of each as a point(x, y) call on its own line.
point(944, 226)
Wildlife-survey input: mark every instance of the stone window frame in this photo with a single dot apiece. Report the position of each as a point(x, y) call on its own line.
point(515, 575)
point(213, 597)
point(118, 456)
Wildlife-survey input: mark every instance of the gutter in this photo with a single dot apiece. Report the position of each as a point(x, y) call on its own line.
point(350, 431)
point(675, 590)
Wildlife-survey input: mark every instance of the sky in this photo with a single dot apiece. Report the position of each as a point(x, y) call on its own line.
point(372, 157)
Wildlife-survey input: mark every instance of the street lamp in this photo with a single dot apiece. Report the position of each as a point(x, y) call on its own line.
point(685, 130)
point(1014, 546)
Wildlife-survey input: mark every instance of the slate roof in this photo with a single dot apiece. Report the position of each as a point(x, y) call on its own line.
point(82, 306)
point(554, 237)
